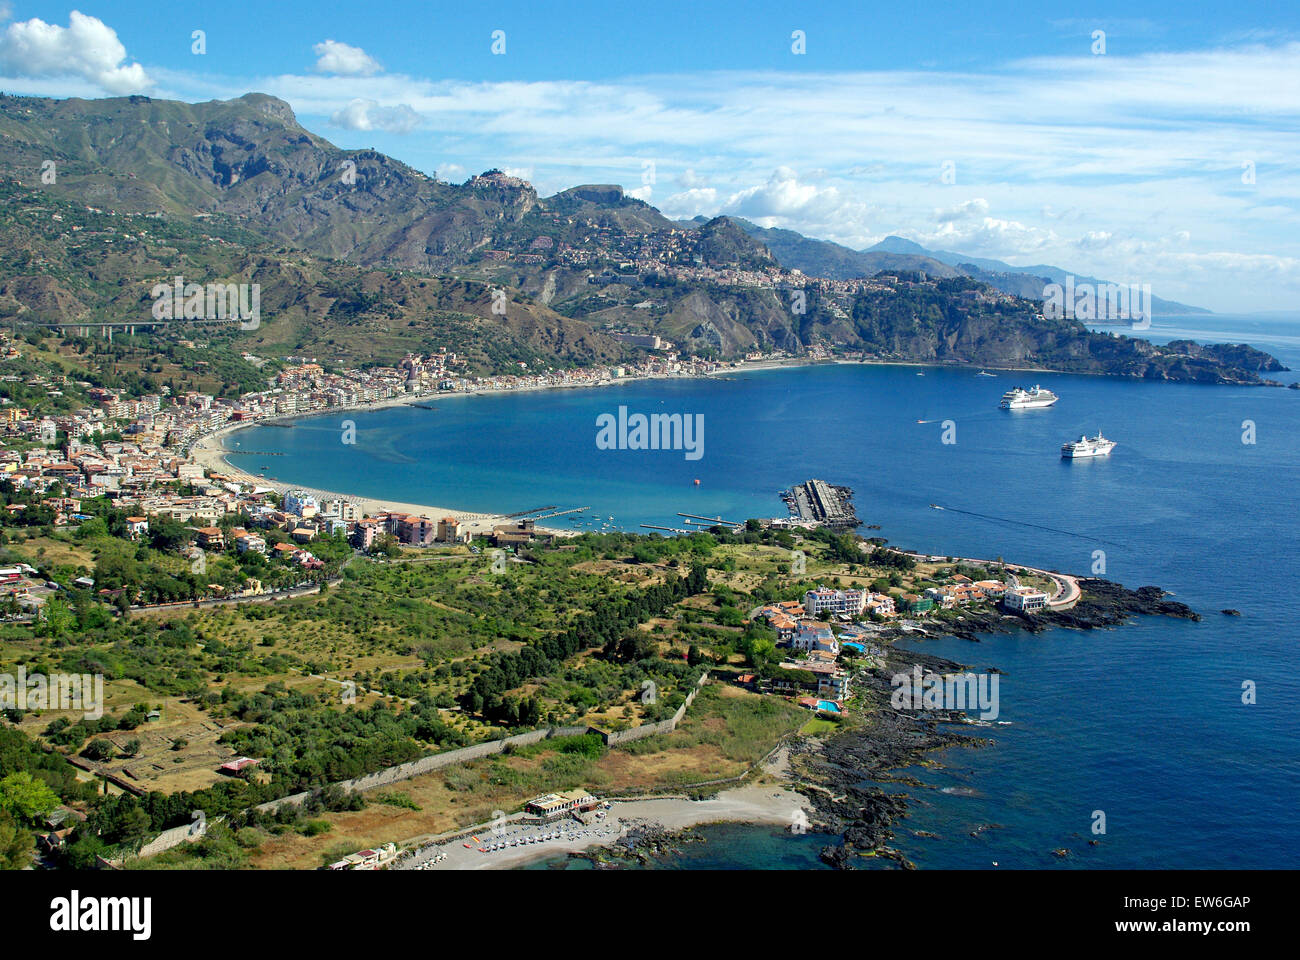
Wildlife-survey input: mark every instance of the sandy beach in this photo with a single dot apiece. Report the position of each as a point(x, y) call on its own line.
point(751, 803)
point(209, 452)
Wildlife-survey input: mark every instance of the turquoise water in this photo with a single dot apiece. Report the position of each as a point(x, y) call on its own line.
point(725, 846)
point(1145, 723)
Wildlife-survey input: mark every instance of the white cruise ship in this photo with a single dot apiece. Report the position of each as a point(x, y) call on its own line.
point(1019, 398)
point(1097, 446)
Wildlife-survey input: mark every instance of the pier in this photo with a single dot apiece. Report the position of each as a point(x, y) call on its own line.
point(713, 521)
point(524, 513)
point(822, 502)
point(651, 526)
point(561, 513)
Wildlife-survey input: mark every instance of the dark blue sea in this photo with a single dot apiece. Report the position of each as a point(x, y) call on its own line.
point(1144, 722)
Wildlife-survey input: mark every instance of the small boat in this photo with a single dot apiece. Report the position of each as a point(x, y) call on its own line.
point(985, 373)
point(697, 481)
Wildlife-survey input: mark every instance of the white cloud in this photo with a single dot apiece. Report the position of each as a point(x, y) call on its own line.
point(344, 60)
point(86, 48)
point(6, 11)
point(966, 210)
point(1095, 240)
point(692, 202)
point(369, 115)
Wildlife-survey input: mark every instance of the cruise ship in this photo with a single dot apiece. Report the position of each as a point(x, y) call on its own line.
point(1019, 398)
point(1097, 446)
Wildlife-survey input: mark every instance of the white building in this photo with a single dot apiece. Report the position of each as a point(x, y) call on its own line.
point(1024, 599)
point(300, 503)
point(814, 636)
point(836, 601)
point(340, 508)
point(250, 541)
point(880, 604)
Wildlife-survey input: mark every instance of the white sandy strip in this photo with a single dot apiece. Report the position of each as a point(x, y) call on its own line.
point(752, 803)
point(210, 453)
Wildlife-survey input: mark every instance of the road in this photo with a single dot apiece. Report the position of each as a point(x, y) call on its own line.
point(1065, 596)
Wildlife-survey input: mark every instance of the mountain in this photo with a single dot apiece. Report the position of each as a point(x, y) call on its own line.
point(961, 320)
point(250, 160)
point(609, 207)
point(1022, 281)
point(724, 243)
point(362, 258)
point(61, 262)
point(823, 258)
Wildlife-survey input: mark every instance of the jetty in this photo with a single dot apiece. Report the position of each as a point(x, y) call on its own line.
point(820, 502)
point(561, 513)
point(524, 513)
point(713, 521)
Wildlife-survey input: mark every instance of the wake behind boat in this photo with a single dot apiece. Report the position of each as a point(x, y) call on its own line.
point(1084, 447)
point(1019, 398)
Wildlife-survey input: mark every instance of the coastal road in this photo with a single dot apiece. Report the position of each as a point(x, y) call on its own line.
point(1065, 596)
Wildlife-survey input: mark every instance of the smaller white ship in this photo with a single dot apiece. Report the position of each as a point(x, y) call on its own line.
point(1018, 398)
point(1097, 446)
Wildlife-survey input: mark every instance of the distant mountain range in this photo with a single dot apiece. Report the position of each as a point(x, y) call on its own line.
point(363, 258)
point(825, 259)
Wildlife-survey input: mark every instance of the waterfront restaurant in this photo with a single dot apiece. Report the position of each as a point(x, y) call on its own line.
point(557, 804)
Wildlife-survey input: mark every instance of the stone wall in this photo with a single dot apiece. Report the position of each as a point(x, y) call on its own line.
point(415, 768)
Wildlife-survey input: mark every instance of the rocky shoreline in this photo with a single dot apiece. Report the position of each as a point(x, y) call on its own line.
point(837, 769)
point(1104, 603)
point(845, 776)
point(834, 773)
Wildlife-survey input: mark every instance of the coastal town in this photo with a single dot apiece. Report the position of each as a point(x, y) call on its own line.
point(165, 463)
point(159, 457)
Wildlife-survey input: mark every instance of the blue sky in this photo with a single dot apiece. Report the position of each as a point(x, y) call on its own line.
point(996, 129)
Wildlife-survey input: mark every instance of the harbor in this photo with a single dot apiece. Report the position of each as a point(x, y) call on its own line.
point(816, 501)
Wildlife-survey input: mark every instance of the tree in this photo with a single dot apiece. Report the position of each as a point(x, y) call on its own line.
point(55, 619)
point(25, 798)
point(15, 844)
point(98, 750)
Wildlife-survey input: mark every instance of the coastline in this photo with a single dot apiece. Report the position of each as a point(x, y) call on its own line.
point(752, 803)
point(210, 452)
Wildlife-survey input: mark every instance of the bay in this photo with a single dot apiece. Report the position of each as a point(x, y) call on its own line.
point(1144, 723)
